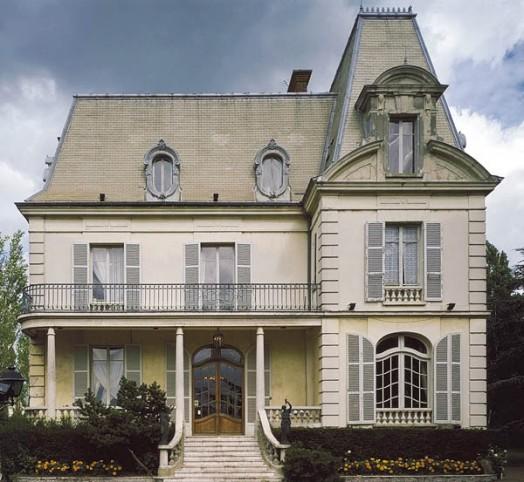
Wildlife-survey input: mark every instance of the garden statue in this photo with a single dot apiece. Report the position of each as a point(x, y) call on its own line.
point(164, 428)
point(285, 423)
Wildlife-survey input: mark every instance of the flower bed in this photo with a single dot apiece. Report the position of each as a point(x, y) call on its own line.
point(78, 467)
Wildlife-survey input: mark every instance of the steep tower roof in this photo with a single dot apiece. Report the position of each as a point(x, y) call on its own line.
point(381, 38)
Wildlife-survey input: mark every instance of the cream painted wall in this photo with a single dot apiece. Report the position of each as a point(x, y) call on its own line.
point(288, 354)
point(276, 243)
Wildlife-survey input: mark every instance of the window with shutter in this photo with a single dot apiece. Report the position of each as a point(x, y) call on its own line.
point(360, 380)
point(80, 371)
point(433, 265)
point(251, 382)
point(244, 276)
point(80, 276)
point(132, 277)
point(191, 259)
point(375, 261)
point(133, 369)
point(447, 380)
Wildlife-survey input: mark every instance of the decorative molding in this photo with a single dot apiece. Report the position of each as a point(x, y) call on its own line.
point(173, 193)
point(283, 192)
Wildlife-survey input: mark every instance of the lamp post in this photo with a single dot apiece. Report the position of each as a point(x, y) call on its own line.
point(11, 383)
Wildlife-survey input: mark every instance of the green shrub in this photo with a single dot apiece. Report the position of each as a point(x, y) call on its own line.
point(304, 465)
point(391, 443)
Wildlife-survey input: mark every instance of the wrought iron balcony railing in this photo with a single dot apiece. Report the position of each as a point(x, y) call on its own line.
point(144, 298)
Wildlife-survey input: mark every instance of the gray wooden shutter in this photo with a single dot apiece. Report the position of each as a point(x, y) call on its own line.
point(251, 369)
point(80, 370)
point(244, 290)
point(375, 261)
point(447, 380)
point(171, 381)
point(433, 262)
point(360, 380)
point(132, 277)
point(191, 262)
point(133, 367)
point(80, 276)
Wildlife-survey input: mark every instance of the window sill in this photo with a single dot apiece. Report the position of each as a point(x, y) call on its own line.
point(390, 175)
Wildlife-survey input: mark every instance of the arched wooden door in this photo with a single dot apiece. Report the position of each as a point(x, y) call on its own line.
point(218, 390)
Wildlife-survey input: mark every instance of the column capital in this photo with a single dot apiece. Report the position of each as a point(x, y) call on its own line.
point(260, 330)
point(179, 331)
point(51, 332)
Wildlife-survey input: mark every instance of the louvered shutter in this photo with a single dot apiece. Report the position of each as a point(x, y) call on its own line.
point(447, 380)
point(360, 380)
point(171, 381)
point(191, 262)
point(433, 262)
point(375, 261)
point(133, 367)
point(80, 276)
point(80, 370)
point(252, 382)
point(244, 291)
point(132, 277)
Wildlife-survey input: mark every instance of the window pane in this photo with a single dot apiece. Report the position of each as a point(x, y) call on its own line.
point(410, 252)
point(387, 344)
point(391, 255)
point(162, 174)
point(407, 128)
point(415, 344)
point(394, 146)
point(226, 256)
point(272, 174)
point(116, 372)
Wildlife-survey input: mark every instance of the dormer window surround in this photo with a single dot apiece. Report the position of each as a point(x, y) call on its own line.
point(272, 173)
point(162, 170)
point(400, 108)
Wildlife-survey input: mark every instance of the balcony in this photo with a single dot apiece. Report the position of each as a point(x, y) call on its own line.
point(404, 417)
point(152, 298)
point(403, 295)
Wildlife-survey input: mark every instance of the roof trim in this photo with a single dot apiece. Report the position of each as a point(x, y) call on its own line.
point(347, 93)
point(445, 106)
point(386, 12)
point(58, 150)
point(204, 95)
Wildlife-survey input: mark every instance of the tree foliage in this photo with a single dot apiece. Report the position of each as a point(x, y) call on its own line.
point(14, 346)
point(505, 340)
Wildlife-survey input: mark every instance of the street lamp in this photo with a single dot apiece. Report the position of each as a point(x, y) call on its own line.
point(11, 383)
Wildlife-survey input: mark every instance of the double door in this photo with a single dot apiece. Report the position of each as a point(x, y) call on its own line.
point(218, 391)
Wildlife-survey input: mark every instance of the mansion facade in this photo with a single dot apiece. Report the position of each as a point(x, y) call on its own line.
point(240, 249)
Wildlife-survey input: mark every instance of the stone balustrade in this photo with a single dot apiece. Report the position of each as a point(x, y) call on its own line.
point(403, 295)
point(301, 416)
point(404, 417)
point(61, 412)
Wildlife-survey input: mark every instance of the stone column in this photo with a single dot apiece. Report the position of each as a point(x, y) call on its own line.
point(179, 388)
point(50, 384)
point(260, 379)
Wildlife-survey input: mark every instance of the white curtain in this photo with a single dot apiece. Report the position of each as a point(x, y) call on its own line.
point(100, 374)
point(410, 254)
point(108, 267)
point(116, 372)
point(99, 257)
point(391, 257)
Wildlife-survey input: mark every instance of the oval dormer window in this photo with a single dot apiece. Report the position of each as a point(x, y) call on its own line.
point(272, 178)
point(162, 173)
point(162, 170)
point(272, 173)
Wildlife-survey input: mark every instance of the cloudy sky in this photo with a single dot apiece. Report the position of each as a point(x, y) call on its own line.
point(51, 49)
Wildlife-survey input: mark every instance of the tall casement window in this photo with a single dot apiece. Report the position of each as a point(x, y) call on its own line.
point(101, 368)
point(107, 270)
point(218, 276)
point(402, 373)
point(402, 255)
point(401, 145)
point(162, 170)
point(107, 370)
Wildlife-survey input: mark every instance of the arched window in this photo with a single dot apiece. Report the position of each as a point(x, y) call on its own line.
point(272, 173)
point(402, 373)
point(162, 169)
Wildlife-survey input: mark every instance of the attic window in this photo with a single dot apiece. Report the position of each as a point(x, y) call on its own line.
point(272, 173)
point(162, 170)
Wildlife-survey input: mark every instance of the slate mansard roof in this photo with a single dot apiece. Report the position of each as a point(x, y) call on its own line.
point(218, 136)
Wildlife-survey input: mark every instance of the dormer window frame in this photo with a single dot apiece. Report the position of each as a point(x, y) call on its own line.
point(278, 153)
point(161, 152)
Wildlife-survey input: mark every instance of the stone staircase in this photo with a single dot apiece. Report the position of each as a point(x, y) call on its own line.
point(223, 459)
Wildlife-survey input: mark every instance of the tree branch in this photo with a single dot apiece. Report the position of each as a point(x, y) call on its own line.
point(139, 462)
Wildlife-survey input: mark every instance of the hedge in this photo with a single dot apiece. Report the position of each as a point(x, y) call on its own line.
point(399, 442)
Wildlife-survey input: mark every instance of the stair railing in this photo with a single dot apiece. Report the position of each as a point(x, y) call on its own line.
point(273, 451)
point(172, 454)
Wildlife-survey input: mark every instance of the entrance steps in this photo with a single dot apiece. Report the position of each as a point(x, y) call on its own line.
point(223, 459)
